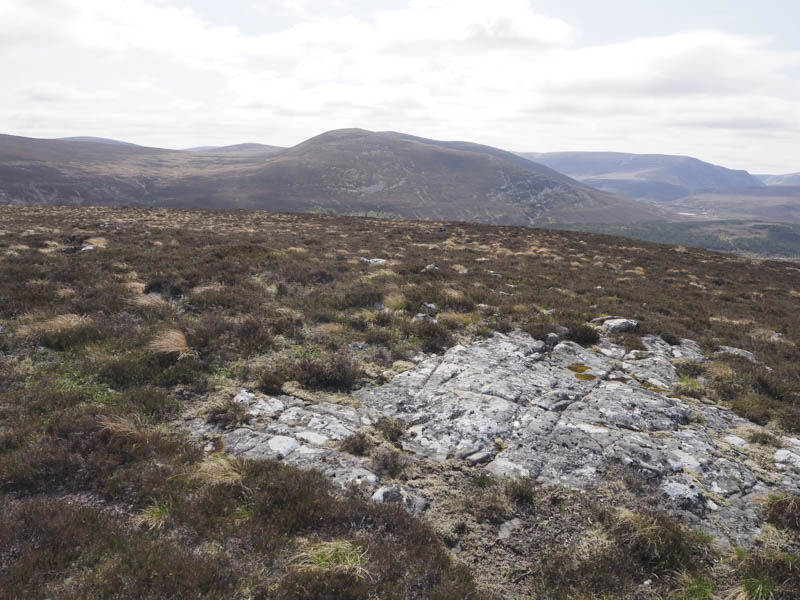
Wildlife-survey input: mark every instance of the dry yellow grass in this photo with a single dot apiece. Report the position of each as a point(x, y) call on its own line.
point(201, 289)
point(453, 295)
point(219, 469)
point(290, 313)
point(462, 319)
point(328, 329)
point(394, 301)
point(149, 301)
point(126, 427)
point(172, 341)
point(137, 287)
point(54, 325)
point(97, 242)
point(723, 319)
point(380, 273)
point(720, 370)
point(767, 335)
point(337, 555)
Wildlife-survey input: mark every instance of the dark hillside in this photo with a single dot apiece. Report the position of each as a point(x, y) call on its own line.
point(340, 172)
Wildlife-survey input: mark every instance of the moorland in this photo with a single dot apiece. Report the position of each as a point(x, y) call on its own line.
point(119, 324)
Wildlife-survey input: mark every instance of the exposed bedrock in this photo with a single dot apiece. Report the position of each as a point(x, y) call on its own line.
point(565, 415)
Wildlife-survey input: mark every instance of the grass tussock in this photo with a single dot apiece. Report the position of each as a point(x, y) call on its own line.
point(228, 413)
point(219, 470)
point(172, 341)
point(783, 510)
point(357, 444)
point(340, 556)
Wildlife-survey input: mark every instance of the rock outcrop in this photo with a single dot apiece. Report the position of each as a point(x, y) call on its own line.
point(566, 414)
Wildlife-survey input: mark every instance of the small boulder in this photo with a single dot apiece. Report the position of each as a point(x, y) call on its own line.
point(407, 497)
point(730, 350)
point(420, 317)
point(507, 528)
point(429, 307)
point(619, 325)
point(244, 397)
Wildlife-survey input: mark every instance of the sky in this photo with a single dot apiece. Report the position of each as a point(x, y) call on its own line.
point(714, 79)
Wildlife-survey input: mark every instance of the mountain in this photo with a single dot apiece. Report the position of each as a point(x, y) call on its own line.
point(788, 179)
point(96, 140)
point(651, 177)
point(765, 239)
point(249, 148)
point(778, 203)
point(350, 171)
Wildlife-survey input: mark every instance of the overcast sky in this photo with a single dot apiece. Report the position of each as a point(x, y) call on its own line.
point(715, 79)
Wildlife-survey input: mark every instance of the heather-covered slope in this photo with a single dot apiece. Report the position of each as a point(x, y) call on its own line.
point(428, 359)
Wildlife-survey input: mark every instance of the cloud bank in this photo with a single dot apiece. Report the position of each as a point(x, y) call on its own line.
point(158, 72)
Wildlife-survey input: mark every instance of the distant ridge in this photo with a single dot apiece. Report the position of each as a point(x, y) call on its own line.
point(96, 140)
point(650, 177)
point(257, 148)
point(788, 179)
point(346, 171)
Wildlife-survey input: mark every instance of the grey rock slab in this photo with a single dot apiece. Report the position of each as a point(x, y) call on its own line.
point(313, 438)
point(686, 350)
point(788, 457)
point(267, 408)
point(601, 320)
point(342, 468)
point(502, 467)
point(283, 445)
point(685, 493)
point(295, 417)
point(730, 350)
point(551, 425)
point(657, 371)
point(513, 405)
point(735, 440)
point(609, 349)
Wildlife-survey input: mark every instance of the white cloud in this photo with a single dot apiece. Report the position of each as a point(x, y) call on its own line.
point(495, 72)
